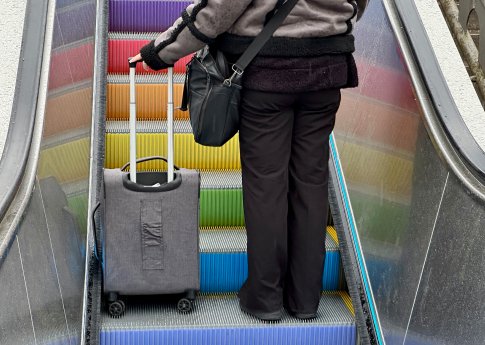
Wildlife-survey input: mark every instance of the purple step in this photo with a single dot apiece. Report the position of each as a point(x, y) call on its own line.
point(144, 16)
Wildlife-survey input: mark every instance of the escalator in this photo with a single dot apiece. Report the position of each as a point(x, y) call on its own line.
point(223, 259)
point(406, 194)
point(381, 153)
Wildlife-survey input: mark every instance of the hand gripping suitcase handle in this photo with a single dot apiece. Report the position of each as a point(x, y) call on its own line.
point(170, 159)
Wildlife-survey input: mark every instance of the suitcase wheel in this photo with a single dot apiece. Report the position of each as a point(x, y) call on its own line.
point(185, 305)
point(116, 308)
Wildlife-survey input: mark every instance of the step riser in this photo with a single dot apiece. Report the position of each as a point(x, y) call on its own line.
point(303, 335)
point(188, 153)
point(221, 208)
point(149, 16)
point(151, 102)
point(118, 50)
point(226, 272)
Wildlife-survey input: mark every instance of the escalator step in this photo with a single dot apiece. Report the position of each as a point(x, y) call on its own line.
point(221, 201)
point(220, 198)
point(188, 153)
point(217, 319)
point(145, 78)
point(221, 180)
point(151, 101)
point(148, 16)
point(221, 207)
point(223, 261)
point(153, 126)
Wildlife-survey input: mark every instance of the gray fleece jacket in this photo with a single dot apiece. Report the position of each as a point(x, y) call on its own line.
point(313, 28)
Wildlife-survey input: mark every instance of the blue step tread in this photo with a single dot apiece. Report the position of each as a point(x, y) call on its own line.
point(217, 319)
point(223, 261)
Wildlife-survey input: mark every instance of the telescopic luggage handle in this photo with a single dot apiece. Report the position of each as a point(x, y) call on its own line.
point(170, 162)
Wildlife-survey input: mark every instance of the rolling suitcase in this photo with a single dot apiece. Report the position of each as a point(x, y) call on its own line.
point(151, 241)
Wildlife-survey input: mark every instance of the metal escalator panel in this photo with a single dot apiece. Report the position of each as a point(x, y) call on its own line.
point(44, 230)
point(419, 223)
point(377, 136)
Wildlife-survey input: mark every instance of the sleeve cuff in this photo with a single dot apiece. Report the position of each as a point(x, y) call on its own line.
point(151, 57)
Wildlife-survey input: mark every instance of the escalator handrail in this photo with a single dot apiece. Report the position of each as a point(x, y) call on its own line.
point(18, 142)
point(447, 111)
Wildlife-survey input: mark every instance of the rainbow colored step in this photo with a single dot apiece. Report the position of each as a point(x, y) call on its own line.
point(217, 320)
point(144, 16)
point(223, 260)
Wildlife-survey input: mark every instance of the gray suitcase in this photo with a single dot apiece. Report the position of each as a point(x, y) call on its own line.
point(151, 241)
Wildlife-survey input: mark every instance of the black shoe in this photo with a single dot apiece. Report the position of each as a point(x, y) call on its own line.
point(301, 316)
point(264, 316)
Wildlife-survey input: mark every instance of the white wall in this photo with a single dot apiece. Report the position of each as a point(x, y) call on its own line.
point(454, 72)
point(11, 29)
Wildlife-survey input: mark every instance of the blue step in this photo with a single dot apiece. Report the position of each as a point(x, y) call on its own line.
point(223, 261)
point(217, 320)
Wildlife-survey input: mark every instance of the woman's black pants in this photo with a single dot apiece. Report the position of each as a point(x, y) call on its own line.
point(284, 156)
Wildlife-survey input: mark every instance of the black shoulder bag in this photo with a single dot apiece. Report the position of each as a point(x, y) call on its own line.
point(212, 90)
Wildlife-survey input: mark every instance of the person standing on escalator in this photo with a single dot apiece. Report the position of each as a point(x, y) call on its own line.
point(291, 94)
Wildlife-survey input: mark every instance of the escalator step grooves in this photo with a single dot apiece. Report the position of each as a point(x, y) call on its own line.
point(156, 126)
point(151, 102)
point(188, 154)
point(220, 180)
point(137, 36)
point(218, 320)
point(227, 240)
point(223, 261)
point(221, 207)
point(140, 79)
point(118, 50)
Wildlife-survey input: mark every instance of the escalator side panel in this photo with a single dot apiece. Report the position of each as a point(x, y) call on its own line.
point(423, 264)
point(449, 300)
point(15, 315)
point(42, 274)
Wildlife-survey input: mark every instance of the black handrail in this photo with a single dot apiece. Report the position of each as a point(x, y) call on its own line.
point(441, 97)
point(22, 119)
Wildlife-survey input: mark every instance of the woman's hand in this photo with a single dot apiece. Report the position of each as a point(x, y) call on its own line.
point(139, 58)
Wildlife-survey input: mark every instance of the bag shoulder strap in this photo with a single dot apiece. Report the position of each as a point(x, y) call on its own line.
point(255, 47)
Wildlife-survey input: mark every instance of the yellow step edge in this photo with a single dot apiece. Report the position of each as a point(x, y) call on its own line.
point(348, 302)
point(333, 233)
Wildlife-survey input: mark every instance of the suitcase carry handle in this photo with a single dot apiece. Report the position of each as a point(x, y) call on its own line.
point(170, 160)
point(161, 187)
point(147, 159)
